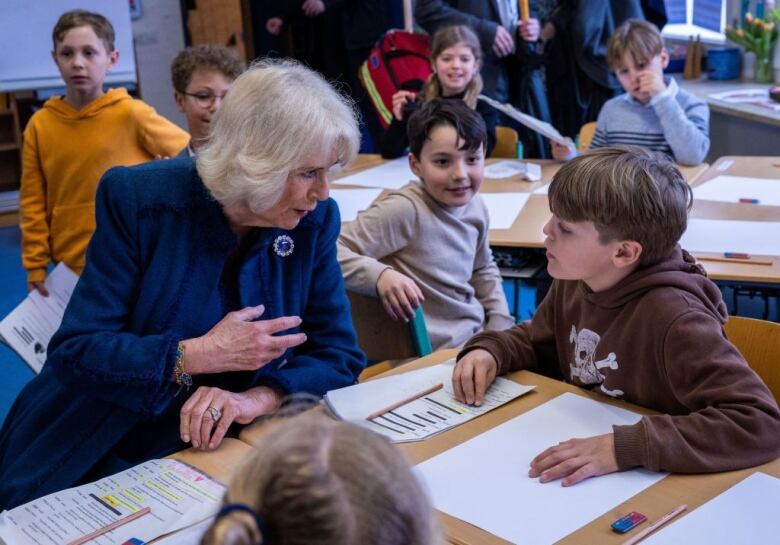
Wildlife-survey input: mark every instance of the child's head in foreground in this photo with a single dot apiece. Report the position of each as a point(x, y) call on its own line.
point(201, 76)
point(614, 209)
point(447, 142)
point(635, 48)
point(84, 52)
point(318, 481)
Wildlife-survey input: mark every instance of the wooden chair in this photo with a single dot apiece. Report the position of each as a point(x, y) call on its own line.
point(382, 338)
point(759, 343)
point(586, 136)
point(506, 143)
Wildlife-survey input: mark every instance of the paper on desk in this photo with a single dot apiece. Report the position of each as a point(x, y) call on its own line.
point(752, 237)
point(741, 95)
point(542, 190)
point(191, 535)
point(506, 169)
point(178, 495)
point(353, 201)
point(745, 513)
point(29, 327)
point(485, 482)
point(542, 127)
point(390, 175)
point(421, 418)
point(734, 188)
point(503, 208)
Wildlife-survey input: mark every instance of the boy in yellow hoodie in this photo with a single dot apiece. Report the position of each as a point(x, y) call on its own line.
point(74, 139)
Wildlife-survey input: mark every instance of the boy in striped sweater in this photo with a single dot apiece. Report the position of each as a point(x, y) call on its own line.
point(654, 112)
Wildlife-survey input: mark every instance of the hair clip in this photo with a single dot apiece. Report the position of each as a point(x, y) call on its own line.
point(283, 245)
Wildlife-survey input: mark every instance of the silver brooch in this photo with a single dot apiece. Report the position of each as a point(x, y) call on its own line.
point(283, 245)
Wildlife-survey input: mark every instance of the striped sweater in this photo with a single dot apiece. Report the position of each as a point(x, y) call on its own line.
point(674, 122)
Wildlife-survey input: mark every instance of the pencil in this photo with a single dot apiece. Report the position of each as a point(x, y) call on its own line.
point(656, 525)
point(748, 261)
point(404, 401)
point(116, 524)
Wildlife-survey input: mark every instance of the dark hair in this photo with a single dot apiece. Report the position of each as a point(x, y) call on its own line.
point(450, 112)
point(79, 17)
point(204, 57)
point(629, 193)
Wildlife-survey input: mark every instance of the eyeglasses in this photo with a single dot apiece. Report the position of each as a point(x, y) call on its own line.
point(204, 100)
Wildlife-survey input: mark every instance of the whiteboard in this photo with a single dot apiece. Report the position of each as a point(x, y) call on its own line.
point(25, 41)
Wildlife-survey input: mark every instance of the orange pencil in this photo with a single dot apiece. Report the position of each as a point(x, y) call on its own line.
point(404, 401)
point(116, 524)
point(523, 4)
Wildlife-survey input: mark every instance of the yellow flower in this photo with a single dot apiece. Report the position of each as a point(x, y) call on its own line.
point(740, 33)
point(769, 27)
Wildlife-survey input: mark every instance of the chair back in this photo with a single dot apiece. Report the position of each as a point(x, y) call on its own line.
point(759, 343)
point(381, 337)
point(506, 143)
point(586, 136)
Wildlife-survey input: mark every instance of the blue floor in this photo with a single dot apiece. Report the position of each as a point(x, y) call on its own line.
point(14, 372)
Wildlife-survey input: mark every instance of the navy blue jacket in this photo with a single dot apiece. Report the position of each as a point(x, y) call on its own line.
point(105, 399)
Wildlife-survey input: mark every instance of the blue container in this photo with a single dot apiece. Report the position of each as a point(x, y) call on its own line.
point(724, 63)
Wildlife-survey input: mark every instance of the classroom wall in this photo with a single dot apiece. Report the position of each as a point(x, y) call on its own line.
point(158, 37)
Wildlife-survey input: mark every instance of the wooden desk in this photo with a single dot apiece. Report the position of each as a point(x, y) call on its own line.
point(755, 167)
point(654, 501)
point(218, 464)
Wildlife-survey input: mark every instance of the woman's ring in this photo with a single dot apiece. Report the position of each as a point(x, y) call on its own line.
point(215, 413)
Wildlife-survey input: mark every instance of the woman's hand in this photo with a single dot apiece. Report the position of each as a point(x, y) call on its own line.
point(40, 287)
point(400, 295)
point(400, 99)
point(197, 422)
point(238, 343)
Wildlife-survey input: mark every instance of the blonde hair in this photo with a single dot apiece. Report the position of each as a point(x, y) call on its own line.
point(444, 39)
point(275, 115)
point(629, 193)
point(316, 481)
point(640, 38)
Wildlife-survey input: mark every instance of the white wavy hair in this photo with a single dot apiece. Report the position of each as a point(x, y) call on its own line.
point(274, 116)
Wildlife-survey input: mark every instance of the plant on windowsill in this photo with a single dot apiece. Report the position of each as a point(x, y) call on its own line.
point(758, 36)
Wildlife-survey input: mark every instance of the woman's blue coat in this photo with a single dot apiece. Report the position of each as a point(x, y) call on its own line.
point(152, 279)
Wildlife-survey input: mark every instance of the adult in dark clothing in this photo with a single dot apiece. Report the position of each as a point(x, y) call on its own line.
point(511, 67)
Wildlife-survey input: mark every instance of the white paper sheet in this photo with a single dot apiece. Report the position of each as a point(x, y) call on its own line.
point(29, 327)
point(178, 495)
point(503, 208)
point(734, 188)
point(742, 515)
point(506, 169)
point(420, 418)
point(391, 175)
point(752, 237)
point(353, 201)
point(485, 481)
point(542, 127)
point(542, 190)
point(187, 536)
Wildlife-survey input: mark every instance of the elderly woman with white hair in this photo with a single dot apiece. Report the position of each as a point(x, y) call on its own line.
point(211, 291)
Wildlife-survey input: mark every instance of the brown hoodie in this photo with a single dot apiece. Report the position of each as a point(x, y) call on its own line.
point(655, 339)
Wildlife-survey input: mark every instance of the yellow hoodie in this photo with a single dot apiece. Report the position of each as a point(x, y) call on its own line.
point(65, 153)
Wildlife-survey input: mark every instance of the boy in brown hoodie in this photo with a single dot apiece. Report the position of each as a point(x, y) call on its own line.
point(631, 315)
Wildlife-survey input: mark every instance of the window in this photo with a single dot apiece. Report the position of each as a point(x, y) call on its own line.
point(696, 17)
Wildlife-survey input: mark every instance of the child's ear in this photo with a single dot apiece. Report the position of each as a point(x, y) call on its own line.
point(664, 58)
point(627, 253)
point(414, 164)
point(113, 58)
point(178, 98)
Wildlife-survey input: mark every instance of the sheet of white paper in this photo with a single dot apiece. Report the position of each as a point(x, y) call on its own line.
point(503, 208)
point(178, 495)
point(187, 536)
point(391, 175)
point(742, 95)
point(506, 169)
point(542, 127)
point(353, 201)
point(542, 190)
point(733, 188)
point(752, 237)
point(421, 418)
point(485, 482)
point(742, 514)
point(29, 327)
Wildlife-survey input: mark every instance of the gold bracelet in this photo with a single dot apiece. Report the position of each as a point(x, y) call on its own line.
point(180, 377)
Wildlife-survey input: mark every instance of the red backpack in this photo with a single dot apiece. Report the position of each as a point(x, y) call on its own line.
point(399, 60)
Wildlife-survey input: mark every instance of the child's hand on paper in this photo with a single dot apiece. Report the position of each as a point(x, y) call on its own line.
point(561, 152)
point(400, 99)
point(399, 294)
point(472, 376)
point(39, 286)
point(575, 460)
point(650, 85)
